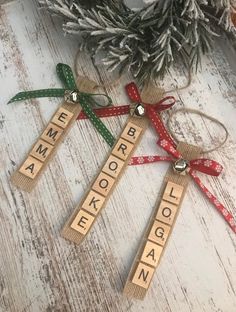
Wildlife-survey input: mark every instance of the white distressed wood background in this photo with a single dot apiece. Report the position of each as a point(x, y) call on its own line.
point(40, 271)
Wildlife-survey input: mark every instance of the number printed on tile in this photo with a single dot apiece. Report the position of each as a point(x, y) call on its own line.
point(166, 212)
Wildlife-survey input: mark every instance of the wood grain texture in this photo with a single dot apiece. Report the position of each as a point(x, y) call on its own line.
point(40, 271)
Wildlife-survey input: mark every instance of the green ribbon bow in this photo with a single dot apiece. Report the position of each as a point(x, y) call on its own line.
point(86, 100)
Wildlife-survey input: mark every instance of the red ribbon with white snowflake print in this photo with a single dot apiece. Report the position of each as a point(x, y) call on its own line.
point(203, 165)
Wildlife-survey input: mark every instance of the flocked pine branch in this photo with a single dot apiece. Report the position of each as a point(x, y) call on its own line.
point(148, 41)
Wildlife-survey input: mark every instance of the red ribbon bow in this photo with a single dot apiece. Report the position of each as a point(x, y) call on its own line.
point(207, 166)
point(204, 165)
point(125, 109)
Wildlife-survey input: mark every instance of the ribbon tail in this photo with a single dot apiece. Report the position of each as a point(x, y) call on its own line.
point(141, 160)
point(26, 95)
point(158, 125)
point(66, 76)
point(108, 111)
point(221, 209)
point(97, 123)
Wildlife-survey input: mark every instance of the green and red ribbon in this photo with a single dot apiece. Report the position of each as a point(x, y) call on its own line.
point(86, 100)
point(88, 103)
point(203, 165)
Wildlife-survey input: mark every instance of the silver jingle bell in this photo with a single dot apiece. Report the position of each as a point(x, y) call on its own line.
point(180, 166)
point(138, 110)
point(71, 96)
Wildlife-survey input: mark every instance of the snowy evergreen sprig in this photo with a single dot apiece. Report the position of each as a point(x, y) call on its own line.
point(148, 41)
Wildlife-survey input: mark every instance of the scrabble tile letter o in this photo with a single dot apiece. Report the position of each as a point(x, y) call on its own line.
point(166, 212)
point(113, 166)
point(103, 184)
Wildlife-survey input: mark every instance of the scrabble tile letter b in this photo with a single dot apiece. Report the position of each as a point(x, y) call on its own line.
point(131, 132)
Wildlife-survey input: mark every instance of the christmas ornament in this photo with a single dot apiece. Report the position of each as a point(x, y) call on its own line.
point(148, 40)
point(85, 215)
point(75, 100)
point(185, 162)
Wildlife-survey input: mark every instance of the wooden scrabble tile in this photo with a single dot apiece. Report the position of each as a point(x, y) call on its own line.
point(131, 132)
point(93, 202)
point(31, 167)
point(122, 149)
point(41, 150)
point(151, 253)
point(62, 117)
point(113, 166)
point(173, 193)
point(51, 134)
point(166, 212)
point(143, 275)
point(82, 222)
point(159, 233)
point(103, 184)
